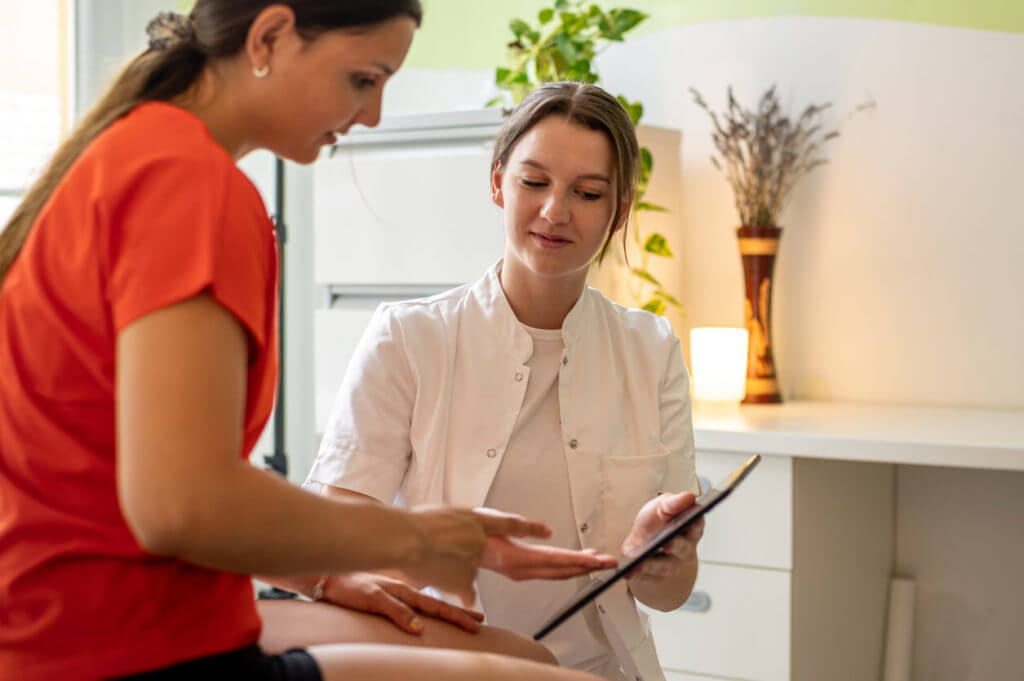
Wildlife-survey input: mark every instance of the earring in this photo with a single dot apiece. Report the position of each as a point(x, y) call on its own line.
point(261, 72)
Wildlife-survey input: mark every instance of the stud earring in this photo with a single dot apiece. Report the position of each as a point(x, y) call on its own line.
point(261, 72)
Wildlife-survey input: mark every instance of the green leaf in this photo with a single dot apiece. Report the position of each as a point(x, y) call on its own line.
point(646, 161)
point(545, 15)
point(580, 71)
point(634, 109)
point(668, 298)
point(626, 19)
point(495, 101)
point(646, 276)
point(655, 305)
point(643, 205)
point(658, 245)
point(566, 47)
point(519, 27)
point(505, 77)
point(561, 5)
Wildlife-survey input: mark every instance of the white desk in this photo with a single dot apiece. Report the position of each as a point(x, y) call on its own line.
point(795, 568)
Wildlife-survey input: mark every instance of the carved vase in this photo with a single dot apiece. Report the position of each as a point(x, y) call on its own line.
point(758, 247)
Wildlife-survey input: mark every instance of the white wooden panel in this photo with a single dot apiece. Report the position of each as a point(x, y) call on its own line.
point(744, 634)
point(336, 332)
point(754, 526)
point(409, 214)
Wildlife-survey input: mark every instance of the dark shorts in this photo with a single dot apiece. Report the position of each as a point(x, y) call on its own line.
point(249, 663)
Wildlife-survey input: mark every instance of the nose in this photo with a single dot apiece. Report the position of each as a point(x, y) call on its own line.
point(556, 209)
point(369, 114)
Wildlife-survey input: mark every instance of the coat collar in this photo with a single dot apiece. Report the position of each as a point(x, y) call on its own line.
point(488, 301)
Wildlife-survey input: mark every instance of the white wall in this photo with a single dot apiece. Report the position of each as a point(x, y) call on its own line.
point(898, 268)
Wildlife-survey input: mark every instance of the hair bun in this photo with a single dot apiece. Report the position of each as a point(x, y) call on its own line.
point(170, 29)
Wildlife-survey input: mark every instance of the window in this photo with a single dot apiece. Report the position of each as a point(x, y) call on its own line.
point(34, 88)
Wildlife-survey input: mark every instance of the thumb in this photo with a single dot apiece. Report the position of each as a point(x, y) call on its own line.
point(670, 505)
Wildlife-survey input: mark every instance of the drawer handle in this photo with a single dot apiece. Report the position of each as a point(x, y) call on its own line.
point(705, 483)
point(699, 601)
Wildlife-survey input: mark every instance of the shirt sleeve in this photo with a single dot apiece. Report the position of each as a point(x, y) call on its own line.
point(366, 446)
point(677, 424)
point(184, 226)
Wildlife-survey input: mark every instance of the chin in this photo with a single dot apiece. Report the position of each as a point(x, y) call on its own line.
point(300, 156)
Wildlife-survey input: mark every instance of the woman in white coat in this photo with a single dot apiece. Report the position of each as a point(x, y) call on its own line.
point(531, 393)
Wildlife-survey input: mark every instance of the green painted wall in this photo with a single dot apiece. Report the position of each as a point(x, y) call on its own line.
point(471, 33)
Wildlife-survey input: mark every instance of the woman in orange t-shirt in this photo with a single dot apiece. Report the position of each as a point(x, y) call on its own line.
point(138, 360)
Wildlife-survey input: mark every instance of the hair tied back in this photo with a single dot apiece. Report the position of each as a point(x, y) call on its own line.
point(170, 29)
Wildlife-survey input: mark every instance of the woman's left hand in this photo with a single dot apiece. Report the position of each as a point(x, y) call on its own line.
point(395, 600)
point(676, 557)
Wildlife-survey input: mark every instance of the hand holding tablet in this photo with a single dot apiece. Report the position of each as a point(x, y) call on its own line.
point(676, 526)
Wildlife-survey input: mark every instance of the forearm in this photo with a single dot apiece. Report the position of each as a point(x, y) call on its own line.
point(666, 593)
point(250, 521)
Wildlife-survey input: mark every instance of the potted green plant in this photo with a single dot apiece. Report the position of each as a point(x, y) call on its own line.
point(763, 154)
point(562, 45)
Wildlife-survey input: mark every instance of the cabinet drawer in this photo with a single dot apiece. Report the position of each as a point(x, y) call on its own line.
point(416, 213)
point(335, 335)
point(743, 634)
point(683, 676)
point(755, 526)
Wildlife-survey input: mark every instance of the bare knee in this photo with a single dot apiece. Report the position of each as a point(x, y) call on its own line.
point(293, 624)
point(510, 643)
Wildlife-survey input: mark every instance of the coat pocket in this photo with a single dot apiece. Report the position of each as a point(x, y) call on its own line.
point(627, 483)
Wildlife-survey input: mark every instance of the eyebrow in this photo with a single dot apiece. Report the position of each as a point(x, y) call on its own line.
point(388, 71)
point(588, 176)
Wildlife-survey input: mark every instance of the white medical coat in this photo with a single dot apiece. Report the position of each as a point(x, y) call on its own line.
point(434, 389)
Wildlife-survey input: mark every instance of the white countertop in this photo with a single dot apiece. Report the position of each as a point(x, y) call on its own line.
point(931, 436)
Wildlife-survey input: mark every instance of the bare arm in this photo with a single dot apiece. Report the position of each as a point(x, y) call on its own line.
point(185, 491)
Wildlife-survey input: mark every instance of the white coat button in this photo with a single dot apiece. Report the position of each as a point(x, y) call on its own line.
point(585, 527)
point(519, 375)
point(573, 444)
point(565, 360)
point(491, 453)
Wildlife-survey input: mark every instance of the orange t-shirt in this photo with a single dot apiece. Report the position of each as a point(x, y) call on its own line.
point(152, 213)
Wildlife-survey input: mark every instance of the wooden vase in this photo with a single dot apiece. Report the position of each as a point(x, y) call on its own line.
point(758, 246)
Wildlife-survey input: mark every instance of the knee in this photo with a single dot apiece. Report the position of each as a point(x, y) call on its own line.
point(510, 643)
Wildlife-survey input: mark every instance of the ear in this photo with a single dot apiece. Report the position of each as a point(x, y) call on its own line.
point(268, 31)
point(497, 174)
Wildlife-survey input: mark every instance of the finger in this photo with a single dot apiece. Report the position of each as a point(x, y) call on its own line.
point(398, 612)
point(553, 556)
point(680, 547)
point(695, 533)
point(428, 605)
point(671, 505)
point(460, 617)
point(564, 572)
point(510, 525)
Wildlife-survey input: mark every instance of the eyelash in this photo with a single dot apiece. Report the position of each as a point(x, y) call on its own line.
point(587, 196)
point(363, 82)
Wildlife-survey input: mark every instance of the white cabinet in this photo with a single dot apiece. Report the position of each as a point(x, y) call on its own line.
point(793, 576)
point(408, 203)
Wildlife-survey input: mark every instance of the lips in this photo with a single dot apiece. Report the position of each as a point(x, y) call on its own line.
point(550, 239)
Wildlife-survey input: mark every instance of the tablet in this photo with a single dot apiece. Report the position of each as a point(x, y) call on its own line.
point(676, 526)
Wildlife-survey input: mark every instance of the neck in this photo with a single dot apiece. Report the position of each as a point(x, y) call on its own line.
point(209, 99)
point(540, 302)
